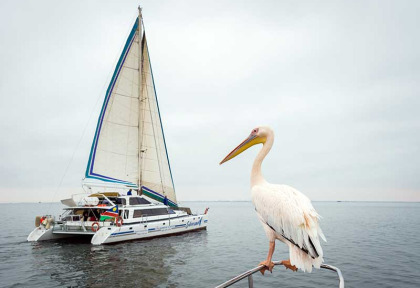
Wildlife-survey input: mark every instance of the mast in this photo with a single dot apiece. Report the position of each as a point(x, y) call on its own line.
point(141, 100)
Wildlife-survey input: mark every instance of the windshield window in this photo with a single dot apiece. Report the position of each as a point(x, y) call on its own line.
point(138, 201)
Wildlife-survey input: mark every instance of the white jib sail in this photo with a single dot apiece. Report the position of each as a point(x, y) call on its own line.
point(155, 173)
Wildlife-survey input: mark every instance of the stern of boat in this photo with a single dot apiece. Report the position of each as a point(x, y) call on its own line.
point(43, 234)
point(102, 235)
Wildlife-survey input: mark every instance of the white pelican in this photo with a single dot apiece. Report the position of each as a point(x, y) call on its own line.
point(285, 213)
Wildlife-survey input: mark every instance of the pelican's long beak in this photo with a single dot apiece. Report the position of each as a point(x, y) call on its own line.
point(250, 141)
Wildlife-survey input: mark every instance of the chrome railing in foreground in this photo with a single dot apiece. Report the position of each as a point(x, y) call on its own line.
point(257, 269)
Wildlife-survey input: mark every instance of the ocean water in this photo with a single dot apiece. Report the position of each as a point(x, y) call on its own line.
point(374, 245)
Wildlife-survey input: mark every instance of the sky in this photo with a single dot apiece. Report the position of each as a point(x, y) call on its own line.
point(337, 81)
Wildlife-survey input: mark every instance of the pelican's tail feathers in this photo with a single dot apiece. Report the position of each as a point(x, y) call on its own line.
point(302, 260)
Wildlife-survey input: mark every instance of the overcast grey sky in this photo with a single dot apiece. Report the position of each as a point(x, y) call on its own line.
point(336, 80)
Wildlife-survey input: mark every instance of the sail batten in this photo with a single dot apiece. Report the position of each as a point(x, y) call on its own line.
point(129, 145)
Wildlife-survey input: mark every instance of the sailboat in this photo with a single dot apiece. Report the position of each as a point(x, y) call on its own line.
point(131, 193)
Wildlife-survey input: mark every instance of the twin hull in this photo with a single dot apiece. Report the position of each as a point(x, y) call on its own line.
point(113, 234)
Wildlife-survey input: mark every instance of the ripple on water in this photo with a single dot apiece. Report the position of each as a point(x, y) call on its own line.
point(372, 243)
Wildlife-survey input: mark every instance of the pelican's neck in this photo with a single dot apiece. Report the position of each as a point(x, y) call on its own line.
point(256, 174)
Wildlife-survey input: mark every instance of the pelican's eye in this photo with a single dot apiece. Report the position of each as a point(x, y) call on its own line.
point(255, 131)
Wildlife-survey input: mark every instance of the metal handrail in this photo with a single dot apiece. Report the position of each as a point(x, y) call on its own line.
point(256, 269)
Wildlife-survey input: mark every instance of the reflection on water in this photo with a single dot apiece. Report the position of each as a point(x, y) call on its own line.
point(143, 263)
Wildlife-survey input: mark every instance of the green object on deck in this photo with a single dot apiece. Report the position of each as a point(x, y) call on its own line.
point(103, 218)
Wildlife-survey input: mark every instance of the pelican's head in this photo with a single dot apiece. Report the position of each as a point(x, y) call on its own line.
point(258, 135)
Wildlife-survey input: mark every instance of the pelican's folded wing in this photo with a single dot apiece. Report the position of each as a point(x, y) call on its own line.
point(291, 215)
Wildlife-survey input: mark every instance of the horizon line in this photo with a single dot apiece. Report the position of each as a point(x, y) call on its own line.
point(339, 201)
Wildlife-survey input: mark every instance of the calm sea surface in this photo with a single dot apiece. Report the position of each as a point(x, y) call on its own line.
point(374, 245)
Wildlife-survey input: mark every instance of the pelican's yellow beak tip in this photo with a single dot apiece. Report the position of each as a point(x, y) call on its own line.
point(249, 142)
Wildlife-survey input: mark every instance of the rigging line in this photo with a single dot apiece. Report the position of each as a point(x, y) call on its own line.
point(77, 148)
point(87, 123)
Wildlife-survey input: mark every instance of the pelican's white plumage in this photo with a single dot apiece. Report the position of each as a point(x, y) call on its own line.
point(285, 213)
point(291, 217)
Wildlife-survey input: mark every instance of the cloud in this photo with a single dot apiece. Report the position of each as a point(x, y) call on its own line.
point(337, 81)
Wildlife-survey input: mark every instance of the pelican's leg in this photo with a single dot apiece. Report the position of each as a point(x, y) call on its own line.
point(288, 265)
point(268, 263)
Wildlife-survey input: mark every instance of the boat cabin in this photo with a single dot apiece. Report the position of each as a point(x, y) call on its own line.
point(129, 208)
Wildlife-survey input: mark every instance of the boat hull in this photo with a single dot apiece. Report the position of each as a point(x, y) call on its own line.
point(107, 235)
point(42, 234)
point(126, 232)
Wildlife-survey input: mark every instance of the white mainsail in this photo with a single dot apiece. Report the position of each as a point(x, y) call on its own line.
point(129, 146)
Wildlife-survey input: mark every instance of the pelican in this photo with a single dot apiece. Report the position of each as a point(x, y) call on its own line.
point(285, 213)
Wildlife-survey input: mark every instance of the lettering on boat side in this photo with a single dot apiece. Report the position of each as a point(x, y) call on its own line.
point(191, 223)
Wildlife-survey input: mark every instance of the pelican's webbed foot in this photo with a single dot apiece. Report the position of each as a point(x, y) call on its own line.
point(268, 266)
point(288, 265)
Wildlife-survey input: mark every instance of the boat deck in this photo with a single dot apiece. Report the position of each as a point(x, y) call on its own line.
point(77, 227)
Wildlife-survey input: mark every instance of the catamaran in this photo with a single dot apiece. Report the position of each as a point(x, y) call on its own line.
point(128, 178)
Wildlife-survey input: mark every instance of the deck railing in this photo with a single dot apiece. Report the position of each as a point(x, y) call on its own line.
point(257, 269)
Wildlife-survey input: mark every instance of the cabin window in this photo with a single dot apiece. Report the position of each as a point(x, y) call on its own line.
point(150, 212)
point(121, 201)
point(138, 201)
point(137, 214)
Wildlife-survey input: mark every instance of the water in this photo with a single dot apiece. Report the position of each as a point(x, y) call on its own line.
point(374, 244)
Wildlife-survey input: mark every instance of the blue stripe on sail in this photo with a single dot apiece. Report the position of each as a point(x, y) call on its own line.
point(160, 119)
point(89, 169)
point(158, 195)
point(127, 184)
